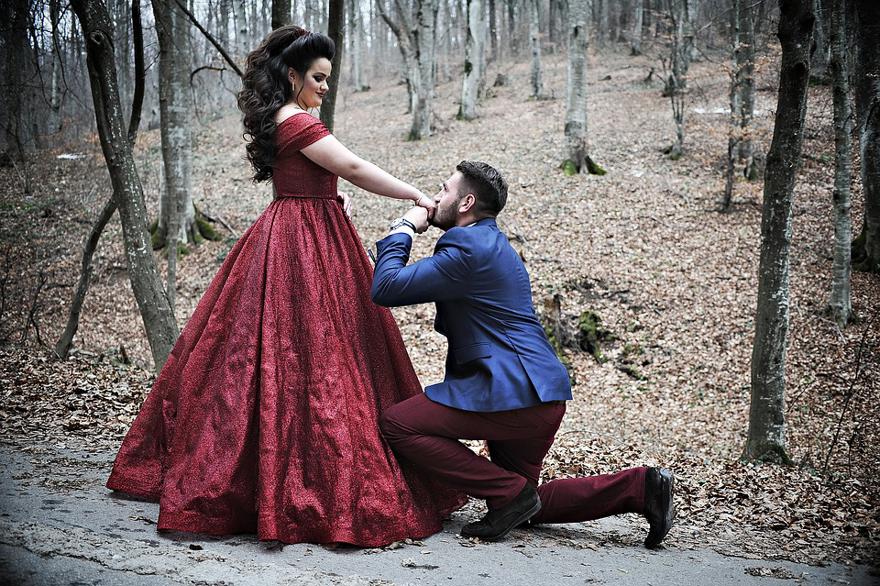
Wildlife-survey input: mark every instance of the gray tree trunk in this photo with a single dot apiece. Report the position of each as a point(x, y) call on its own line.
point(840, 303)
point(474, 59)
point(155, 311)
point(356, 34)
point(223, 33)
point(493, 30)
point(336, 31)
point(18, 135)
point(176, 211)
point(537, 76)
point(676, 87)
point(280, 13)
point(733, 138)
point(416, 41)
point(766, 437)
point(242, 40)
point(576, 153)
point(635, 39)
point(745, 68)
point(866, 255)
point(821, 56)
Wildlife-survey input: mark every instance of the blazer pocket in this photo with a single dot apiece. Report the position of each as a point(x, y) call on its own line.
point(471, 352)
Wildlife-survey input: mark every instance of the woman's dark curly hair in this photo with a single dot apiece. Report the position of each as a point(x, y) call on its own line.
point(266, 87)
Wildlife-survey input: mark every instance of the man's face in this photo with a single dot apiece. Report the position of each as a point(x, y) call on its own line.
point(448, 200)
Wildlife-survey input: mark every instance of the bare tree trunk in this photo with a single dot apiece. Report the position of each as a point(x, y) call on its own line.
point(177, 217)
point(866, 251)
point(635, 40)
point(242, 42)
point(537, 79)
point(356, 34)
point(493, 30)
point(223, 33)
point(735, 109)
point(155, 311)
point(62, 347)
point(840, 304)
point(416, 41)
point(280, 13)
point(745, 67)
point(18, 135)
point(511, 27)
point(336, 24)
point(821, 54)
point(676, 86)
point(766, 437)
point(473, 59)
point(577, 158)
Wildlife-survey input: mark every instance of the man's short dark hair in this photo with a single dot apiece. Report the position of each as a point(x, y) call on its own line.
point(486, 183)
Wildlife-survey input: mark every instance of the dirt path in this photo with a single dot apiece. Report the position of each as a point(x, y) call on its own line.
point(59, 525)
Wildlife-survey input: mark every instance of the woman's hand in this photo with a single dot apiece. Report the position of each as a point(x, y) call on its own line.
point(346, 203)
point(426, 202)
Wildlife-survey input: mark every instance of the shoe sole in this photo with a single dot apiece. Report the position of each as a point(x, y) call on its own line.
point(666, 476)
point(518, 521)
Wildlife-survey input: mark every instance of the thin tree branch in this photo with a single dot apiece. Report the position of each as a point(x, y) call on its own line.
point(211, 39)
point(139, 72)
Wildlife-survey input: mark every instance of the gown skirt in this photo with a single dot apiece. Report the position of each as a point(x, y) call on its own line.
point(264, 419)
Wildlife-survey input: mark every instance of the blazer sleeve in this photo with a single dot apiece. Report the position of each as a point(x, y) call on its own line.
point(441, 277)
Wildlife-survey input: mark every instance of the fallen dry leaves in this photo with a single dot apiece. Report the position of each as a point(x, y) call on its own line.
point(673, 281)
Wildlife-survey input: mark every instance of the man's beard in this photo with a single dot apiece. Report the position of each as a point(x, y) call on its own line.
point(445, 219)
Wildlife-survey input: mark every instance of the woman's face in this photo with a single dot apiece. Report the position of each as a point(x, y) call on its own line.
point(309, 91)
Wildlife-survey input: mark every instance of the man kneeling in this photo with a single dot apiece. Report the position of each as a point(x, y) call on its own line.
point(503, 383)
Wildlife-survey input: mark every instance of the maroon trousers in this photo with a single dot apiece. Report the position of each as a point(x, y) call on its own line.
point(426, 434)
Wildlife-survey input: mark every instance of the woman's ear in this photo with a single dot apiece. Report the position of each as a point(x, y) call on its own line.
point(292, 76)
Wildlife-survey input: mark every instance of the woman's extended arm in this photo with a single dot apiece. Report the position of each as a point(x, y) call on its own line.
point(336, 158)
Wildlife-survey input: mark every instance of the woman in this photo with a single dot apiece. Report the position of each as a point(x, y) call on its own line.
point(264, 418)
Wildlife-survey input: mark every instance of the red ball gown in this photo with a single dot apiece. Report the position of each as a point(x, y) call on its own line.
point(265, 417)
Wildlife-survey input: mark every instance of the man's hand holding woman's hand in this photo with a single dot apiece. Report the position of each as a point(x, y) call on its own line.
point(419, 218)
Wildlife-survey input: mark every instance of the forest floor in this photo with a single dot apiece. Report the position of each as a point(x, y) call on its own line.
point(644, 247)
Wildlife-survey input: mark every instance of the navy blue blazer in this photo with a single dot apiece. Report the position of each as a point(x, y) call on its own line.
point(499, 357)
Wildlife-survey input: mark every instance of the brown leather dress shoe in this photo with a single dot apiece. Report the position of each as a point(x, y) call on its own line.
point(659, 510)
point(498, 522)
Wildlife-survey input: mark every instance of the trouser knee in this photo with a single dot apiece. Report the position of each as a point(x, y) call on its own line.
point(390, 425)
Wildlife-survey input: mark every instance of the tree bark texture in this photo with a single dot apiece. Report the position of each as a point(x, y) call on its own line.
point(176, 211)
point(537, 75)
point(280, 13)
point(635, 39)
point(336, 28)
point(156, 313)
point(474, 59)
point(866, 256)
point(356, 36)
point(18, 135)
point(65, 341)
point(745, 71)
point(735, 109)
point(416, 39)
point(576, 153)
point(840, 303)
point(766, 438)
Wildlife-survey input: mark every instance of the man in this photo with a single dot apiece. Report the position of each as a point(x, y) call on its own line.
point(503, 383)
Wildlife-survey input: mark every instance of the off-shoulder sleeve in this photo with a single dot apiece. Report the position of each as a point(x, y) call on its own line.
point(299, 131)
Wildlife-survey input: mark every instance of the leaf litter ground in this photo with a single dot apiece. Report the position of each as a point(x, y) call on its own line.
point(673, 281)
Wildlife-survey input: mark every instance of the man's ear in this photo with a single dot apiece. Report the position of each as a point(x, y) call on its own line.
point(468, 203)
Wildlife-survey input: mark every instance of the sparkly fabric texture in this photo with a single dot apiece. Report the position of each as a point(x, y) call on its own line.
point(265, 416)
